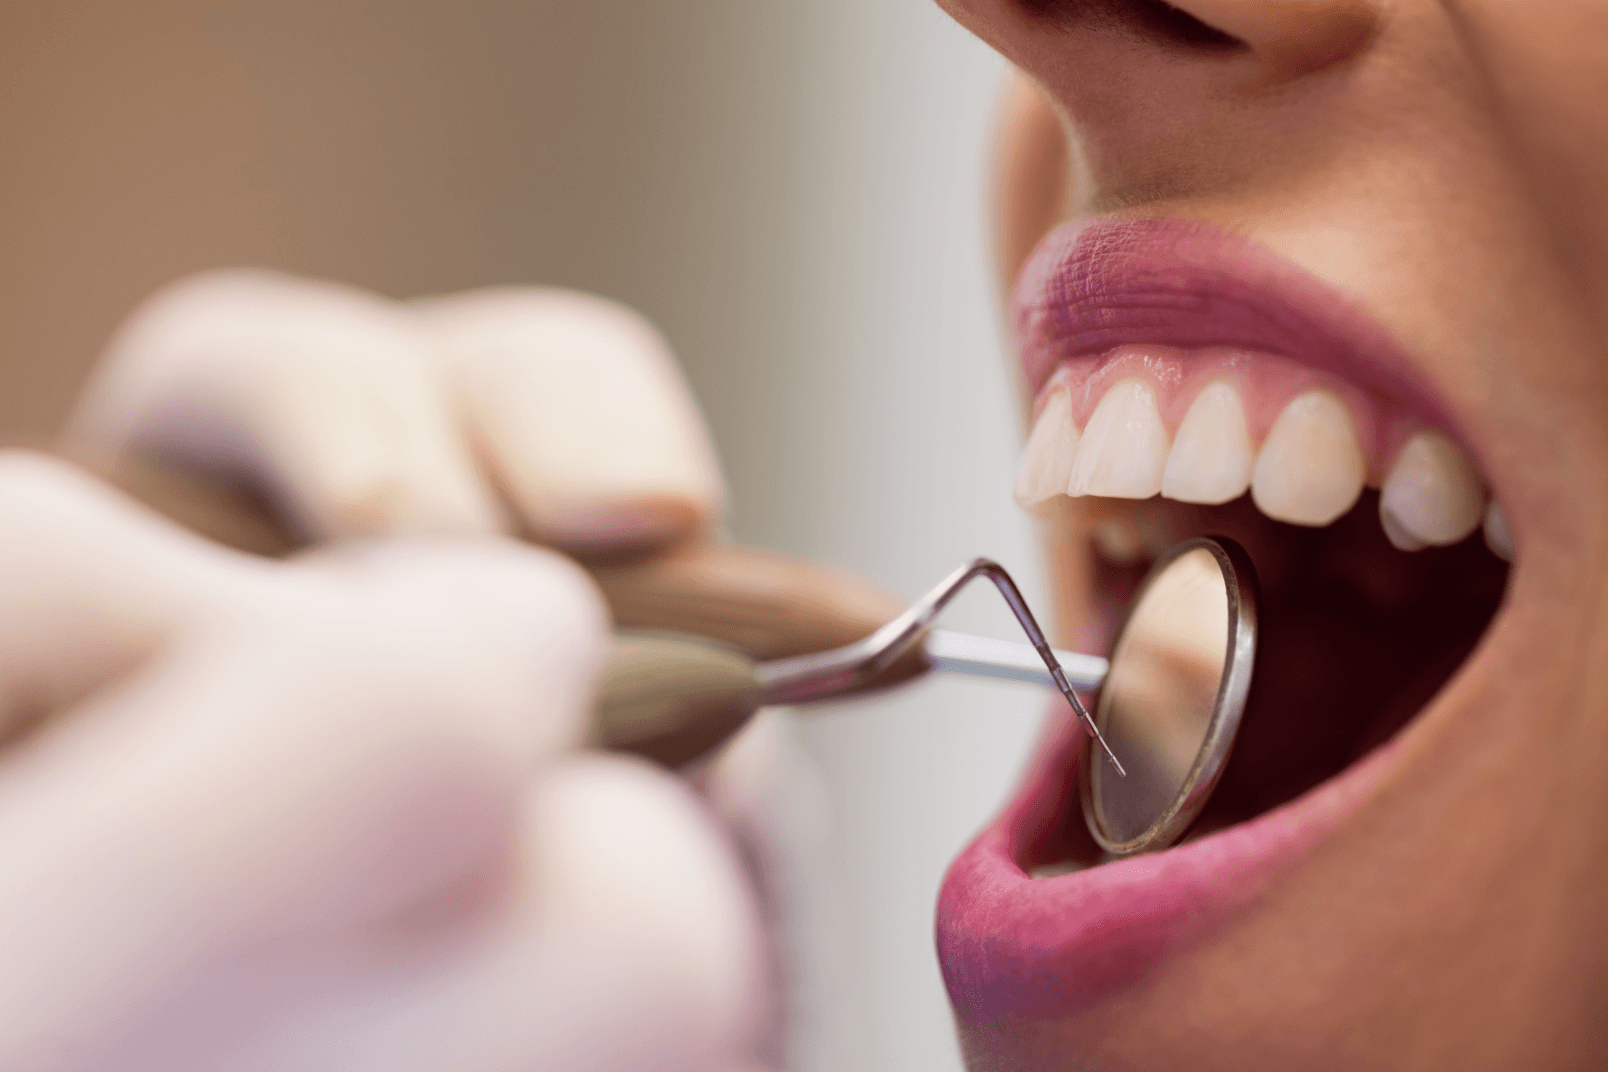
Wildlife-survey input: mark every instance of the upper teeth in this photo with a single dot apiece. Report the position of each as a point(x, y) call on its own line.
point(1309, 470)
point(1212, 456)
point(1432, 496)
point(1047, 460)
point(1124, 448)
point(1498, 535)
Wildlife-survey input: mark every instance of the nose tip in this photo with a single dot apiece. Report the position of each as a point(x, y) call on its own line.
point(1291, 38)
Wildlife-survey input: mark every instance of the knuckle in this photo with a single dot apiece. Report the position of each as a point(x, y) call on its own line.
point(195, 309)
point(228, 315)
point(547, 318)
point(215, 284)
point(26, 474)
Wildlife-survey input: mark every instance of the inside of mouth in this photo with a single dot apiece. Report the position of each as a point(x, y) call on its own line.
point(1356, 637)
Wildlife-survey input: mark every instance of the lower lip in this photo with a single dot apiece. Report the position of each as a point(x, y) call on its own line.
point(1015, 946)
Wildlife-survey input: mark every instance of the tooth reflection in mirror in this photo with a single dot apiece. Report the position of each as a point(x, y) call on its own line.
point(1171, 704)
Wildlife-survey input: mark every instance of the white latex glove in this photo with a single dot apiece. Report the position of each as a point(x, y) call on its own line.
point(548, 413)
point(315, 870)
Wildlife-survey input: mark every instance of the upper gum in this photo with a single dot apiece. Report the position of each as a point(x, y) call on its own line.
point(1266, 383)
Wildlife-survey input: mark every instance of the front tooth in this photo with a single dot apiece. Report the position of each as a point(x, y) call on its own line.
point(1498, 533)
point(1124, 446)
point(1310, 470)
point(1211, 455)
point(1432, 497)
point(1047, 458)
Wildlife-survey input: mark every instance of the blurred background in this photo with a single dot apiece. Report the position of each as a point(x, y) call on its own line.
point(794, 192)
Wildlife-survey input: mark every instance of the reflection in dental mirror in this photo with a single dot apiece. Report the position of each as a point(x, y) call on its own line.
point(1171, 704)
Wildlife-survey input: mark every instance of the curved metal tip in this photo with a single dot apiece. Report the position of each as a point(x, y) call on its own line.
point(832, 673)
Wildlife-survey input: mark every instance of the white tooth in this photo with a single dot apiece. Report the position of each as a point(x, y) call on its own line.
point(1211, 455)
point(1498, 533)
point(1400, 537)
point(1047, 458)
point(1124, 447)
point(1118, 543)
point(1310, 470)
point(1433, 496)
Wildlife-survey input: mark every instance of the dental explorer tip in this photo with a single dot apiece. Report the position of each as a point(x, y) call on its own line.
point(1112, 756)
point(1088, 721)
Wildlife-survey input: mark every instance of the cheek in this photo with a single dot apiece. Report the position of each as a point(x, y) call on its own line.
point(1032, 177)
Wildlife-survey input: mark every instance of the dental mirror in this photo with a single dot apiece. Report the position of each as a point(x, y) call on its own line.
point(1171, 697)
point(1171, 702)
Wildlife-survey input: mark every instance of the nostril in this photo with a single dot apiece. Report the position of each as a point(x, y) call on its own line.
point(1288, 38)
point(1166, 22)
point(1154, 19)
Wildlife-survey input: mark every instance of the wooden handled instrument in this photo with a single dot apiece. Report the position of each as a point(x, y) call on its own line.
point(693, 622)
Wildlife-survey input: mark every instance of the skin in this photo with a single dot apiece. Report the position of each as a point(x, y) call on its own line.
point(1440, 162)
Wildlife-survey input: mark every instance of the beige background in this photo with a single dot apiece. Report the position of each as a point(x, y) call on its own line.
point(794, 191)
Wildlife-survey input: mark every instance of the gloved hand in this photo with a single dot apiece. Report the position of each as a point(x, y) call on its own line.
point(330, 813)
point(549, 414)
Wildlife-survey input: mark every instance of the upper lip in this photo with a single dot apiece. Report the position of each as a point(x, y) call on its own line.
point(1094, 286)
point(1013, 945)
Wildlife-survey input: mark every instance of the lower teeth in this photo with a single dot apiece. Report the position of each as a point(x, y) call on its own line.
point(1498, 534)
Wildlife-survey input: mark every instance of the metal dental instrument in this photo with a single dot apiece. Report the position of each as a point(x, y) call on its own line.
point(1180, 675)
point(712, 632)
point(682, 677)
point(1170, 701)
point(829, 673)
point(672, 696)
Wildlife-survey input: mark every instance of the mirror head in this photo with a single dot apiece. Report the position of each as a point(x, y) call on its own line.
point(1171, 704)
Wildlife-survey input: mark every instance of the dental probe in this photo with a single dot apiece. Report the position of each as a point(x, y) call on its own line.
point(709, 633)
point(974, 656)
point(828, 673)
point(673, 696)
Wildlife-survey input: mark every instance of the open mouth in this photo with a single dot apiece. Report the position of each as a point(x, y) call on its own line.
point(1357, 636)
point(1191, 383)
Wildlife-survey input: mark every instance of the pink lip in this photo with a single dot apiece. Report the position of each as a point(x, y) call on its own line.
point(1012, 945)
point(1091, 287)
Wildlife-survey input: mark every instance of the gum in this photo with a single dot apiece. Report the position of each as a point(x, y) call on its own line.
point(1266, 383)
